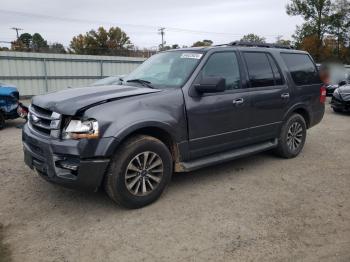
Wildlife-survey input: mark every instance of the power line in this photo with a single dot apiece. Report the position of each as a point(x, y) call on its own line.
point(173, 29)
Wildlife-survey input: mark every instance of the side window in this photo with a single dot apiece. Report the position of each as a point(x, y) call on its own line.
point(302, 69)
point(276, 71)
point(223, 65)
point(259, 69)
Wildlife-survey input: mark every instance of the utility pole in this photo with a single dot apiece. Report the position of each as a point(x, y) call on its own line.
point(16, 29)
point(162, 33)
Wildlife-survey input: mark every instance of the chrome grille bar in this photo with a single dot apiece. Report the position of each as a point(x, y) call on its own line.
point(44, 121)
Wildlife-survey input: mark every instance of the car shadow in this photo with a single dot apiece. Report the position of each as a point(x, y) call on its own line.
point(66, 198)
point(220, 170)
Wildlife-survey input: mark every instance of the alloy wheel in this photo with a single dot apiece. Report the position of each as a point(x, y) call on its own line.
point(144, 173)
point(295, 136)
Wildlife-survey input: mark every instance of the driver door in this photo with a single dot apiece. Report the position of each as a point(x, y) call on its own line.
point(218, 121)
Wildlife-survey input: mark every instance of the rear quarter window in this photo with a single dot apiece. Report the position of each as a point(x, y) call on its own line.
point(301, 68)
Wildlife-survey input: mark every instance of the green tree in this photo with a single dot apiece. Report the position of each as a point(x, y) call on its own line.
point(168, 47)
point(339, 25)
point(205, 42)
point(101, 42)
point(39, 44)
point(4, 48)
point(26, 39)
point(301, 33)
point(253, 38)
point(284, 42)
point(316, 14)
point(57, 48)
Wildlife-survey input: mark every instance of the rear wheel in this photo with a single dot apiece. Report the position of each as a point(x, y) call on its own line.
point(292, 137)
point(2, 120)
point(139, 172)
point(336, 110)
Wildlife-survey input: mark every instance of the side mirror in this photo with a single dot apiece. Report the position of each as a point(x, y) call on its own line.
point(211, 85)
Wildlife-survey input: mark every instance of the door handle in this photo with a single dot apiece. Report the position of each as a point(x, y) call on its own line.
point(285, 96)
point(238, 101)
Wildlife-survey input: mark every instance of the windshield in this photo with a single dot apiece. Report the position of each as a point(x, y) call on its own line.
point(168, 69)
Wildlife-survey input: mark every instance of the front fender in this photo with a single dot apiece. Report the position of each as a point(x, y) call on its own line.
point(163, 110)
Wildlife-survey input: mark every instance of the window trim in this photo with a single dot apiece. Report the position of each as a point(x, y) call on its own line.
point(274, 79)
point(278, 68)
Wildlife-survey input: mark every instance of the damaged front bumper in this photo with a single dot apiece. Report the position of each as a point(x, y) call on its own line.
point(61, 161)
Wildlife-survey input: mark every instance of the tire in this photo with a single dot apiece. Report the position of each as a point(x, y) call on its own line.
point(2, 121)
point(120, 179)
point(337, 110)
point(293, 133)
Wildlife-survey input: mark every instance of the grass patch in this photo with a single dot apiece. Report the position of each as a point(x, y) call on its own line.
point(5, 254)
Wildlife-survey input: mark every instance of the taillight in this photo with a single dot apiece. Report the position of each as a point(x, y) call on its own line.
point(323, 94)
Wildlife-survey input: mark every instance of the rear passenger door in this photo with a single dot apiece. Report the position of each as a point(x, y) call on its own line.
point(268, 92)
point(306, 80)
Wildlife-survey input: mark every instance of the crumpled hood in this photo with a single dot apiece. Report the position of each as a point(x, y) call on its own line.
point(345, 92)
point(72, 100)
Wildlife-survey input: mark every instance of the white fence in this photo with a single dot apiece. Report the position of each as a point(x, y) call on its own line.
point(39, 73)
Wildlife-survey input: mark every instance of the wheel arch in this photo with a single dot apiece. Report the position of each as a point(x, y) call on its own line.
point(157, 130)
point(301, 110)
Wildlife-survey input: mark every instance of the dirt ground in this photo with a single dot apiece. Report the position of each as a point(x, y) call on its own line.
point(259, 208)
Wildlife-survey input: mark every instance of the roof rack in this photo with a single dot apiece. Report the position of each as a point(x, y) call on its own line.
point(265, 45)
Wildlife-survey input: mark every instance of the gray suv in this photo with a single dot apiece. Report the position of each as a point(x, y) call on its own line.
point(179, 111)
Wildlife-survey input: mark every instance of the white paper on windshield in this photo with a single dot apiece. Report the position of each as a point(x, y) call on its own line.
point(191, 55)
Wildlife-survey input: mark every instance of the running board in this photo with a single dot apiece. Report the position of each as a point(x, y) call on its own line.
point(224, 157)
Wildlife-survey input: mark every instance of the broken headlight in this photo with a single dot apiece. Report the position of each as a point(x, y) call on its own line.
point(78, 129)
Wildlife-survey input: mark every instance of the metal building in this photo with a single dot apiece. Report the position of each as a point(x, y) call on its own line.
point(39, 73)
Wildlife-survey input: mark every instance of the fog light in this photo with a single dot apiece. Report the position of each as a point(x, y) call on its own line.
point(68, 165)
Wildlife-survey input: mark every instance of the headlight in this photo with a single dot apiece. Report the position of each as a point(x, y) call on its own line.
point(78, 129)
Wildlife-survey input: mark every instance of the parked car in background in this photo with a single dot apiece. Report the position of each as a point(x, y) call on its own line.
point(336, 73)
point(341, 98)
point(179, 111)
point(111, 80)
point(10, 107)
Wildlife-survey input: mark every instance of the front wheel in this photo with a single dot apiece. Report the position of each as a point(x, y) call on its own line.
point(139, 172)
point(292, 137)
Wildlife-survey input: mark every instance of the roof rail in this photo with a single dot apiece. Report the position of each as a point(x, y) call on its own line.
point(265, 45)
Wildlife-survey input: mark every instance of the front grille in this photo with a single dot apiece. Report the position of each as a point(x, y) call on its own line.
point(44, 121)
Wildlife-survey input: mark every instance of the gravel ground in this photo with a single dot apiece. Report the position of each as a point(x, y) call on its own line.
point(259, 208)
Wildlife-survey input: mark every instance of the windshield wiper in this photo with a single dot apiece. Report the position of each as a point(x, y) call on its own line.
point(142, 82)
